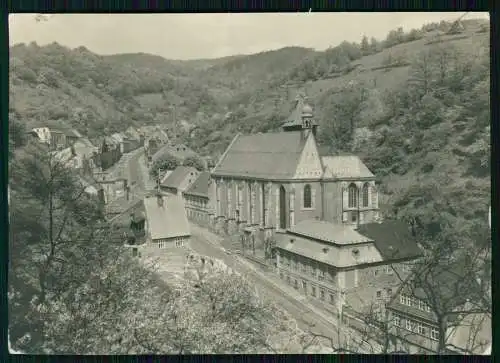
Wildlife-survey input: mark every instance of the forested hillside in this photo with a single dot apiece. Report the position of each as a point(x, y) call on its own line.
point(414, 106)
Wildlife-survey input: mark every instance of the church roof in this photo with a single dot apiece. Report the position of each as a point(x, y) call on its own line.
point(200, 186)
point(345, 166)
point(270, 155)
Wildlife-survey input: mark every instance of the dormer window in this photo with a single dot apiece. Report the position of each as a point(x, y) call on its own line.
point(292, 240)
point(307, 124)
point(325, 250)
point(355, 252)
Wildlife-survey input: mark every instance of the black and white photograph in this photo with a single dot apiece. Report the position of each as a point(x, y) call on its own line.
point(249, 183)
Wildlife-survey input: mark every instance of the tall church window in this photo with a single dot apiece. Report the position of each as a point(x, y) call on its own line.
point(353, 196)
point(307, 196)
point(365, 194)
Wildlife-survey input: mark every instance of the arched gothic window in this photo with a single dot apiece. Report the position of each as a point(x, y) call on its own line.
point(307, 196)
point(353, 196)
point(365, 194)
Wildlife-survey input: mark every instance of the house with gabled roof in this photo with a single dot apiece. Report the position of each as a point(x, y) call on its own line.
point(197, 200)
point(167, 225)
point(179, 180)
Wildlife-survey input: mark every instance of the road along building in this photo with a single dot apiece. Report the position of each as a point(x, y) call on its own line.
point(166, 224)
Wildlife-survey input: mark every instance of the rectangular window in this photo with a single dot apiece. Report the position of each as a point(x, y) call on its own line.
point(388, 270)
point(421, 329)
point(322, 294)
point(427, 308)
point(379, 294)
point(402, 299)
point(408, 301)
point(434, 334)
point(332, 299)
point(397, 320)
point(162, 244)
point(313, 291)
point(179, 242)
point(304, 285)
point(389, 292)
point(408, 324)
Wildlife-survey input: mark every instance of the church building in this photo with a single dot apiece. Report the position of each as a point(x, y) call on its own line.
point(272, 181)
point(318, 215)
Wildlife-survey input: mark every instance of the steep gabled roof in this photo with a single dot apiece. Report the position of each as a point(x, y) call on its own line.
point(200, 186)
point(345, 166)
point(175, 178)
point(270, 155)
point(167, 220)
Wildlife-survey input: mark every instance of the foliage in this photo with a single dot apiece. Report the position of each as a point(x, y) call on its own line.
point(166, 162)
point(73, 289)
point(195, 162)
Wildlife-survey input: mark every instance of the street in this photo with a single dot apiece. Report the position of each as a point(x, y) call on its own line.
point(291, 300)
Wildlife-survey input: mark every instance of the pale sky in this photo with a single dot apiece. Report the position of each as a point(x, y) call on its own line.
point(192, 36)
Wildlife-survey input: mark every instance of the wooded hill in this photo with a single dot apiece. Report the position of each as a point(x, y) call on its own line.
point(414, 106)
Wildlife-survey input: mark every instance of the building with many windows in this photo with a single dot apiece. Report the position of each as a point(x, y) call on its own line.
point(445, 294)
point(344, 267)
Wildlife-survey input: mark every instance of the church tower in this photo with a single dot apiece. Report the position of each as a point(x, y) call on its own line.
point(302, 117)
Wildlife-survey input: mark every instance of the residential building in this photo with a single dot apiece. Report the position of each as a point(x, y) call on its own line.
point(166, 225)
point(62, 137)
point(57, 139)
point(268, 182)
point(43, 134)
point(439, 301)
point(197, 200)
point(344, 267)
point(179, 180)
